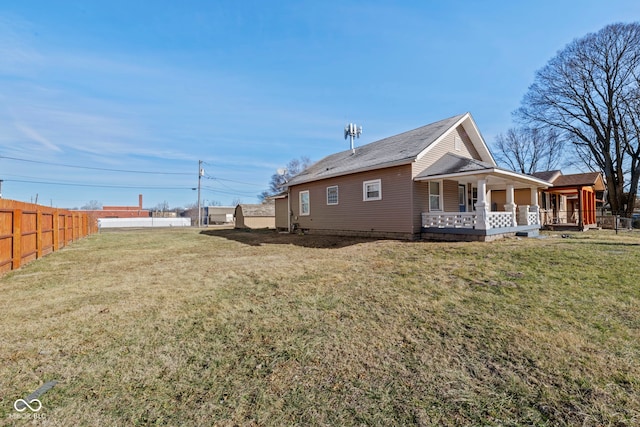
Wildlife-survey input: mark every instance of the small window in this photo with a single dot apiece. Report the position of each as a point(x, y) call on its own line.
point(304, 203)
point(332, 195)
point(372, 190)
point(457, 143)
point(434, 196)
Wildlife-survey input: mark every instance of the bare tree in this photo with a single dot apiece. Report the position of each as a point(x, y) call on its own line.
point(528, 150)
point(590, 92)
point(293, 168)
point(162, 206)
point(93, 205)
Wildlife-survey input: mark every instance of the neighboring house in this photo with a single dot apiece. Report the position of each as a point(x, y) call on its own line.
point(256, 216)
point(572, 201)
point(434, 182)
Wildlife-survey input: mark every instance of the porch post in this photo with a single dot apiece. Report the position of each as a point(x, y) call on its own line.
point(580, 208)
point(534, 204)
point(482, 207)
point(510, 206)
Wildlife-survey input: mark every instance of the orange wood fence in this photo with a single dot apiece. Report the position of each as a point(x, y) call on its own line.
point(29, 231)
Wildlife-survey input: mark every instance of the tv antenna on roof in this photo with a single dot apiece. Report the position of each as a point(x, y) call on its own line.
point(353, 131)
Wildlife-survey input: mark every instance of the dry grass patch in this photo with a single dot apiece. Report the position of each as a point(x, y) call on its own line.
point(178, 327)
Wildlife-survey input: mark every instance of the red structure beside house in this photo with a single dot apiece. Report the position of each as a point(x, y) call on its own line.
point(571, 202)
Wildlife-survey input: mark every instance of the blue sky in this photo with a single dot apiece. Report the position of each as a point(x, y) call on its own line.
point(93, 93)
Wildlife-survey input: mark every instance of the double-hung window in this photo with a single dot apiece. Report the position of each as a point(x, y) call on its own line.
point(372, 190)
point(434, 196)
point(305, 206)
point(332, 195)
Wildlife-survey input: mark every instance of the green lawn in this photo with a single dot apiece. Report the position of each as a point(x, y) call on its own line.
point(225, 327)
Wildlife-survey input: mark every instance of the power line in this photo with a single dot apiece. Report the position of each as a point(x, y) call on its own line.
point(93, 168)
point(98, 185)
point(231, 180)
point(232, 192)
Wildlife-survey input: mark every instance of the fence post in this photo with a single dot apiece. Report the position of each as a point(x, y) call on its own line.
point(56, 231)
point(38, 234)
point(17, 241)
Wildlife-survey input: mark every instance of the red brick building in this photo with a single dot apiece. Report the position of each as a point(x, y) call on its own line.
point(121, 211)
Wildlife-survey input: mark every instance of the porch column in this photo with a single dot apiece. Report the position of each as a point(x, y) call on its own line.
point(482, 207)
point(524, 215)
point(580, 208)
point(510, 206)
point(535, 208)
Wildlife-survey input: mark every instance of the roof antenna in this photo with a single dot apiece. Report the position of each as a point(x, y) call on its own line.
point(352, 130)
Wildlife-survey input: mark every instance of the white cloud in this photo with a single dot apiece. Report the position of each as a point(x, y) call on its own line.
point(32, 134)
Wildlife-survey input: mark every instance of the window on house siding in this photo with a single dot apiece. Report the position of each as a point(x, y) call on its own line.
point(372, 190)
point(332, 195)
point(457, 142)
point(434, 196)
point(304, 203)
point(474, 197)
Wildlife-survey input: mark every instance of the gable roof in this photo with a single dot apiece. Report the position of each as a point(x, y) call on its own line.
point(264, 209)
point(572, 180)
point(452, 165)
point(577, 179)
point(395, 150)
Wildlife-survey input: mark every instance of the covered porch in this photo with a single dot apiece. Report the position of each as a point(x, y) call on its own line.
point(478, 201)
point(571, 203)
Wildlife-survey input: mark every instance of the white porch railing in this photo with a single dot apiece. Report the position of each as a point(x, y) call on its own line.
point(499, 220)
point(449, 219)
point(470, 219)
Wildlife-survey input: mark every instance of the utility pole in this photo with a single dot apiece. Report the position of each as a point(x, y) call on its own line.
point(1, 181)
point(200, 174)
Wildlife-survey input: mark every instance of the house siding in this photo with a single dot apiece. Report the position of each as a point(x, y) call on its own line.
point(282, 213)
point(444, 146)
point(392, 214)
point(450, 196)
point(521, 196)
point(420, 203)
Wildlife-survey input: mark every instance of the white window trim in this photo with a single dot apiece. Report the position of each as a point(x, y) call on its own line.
point(439, 209)
point(337, 195)
point(300, 203)
point(364, 190)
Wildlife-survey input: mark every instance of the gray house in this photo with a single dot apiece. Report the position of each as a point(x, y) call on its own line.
point(434, 182)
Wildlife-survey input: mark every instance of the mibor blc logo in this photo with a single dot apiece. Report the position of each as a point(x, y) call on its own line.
point(22, 405)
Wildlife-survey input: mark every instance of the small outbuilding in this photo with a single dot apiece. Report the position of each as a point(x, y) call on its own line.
point(219, 214)
point(256, 216)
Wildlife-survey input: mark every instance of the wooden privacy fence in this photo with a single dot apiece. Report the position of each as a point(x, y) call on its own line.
point(29, 231)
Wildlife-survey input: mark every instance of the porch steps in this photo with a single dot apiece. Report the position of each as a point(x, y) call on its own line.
point(528, 233)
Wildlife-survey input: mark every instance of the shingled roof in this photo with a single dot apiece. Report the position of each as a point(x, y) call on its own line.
point(392, 151)
point(547, 175)
point(572, 180)
point(264, 209)
point(452, 163)
point(576, 179)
